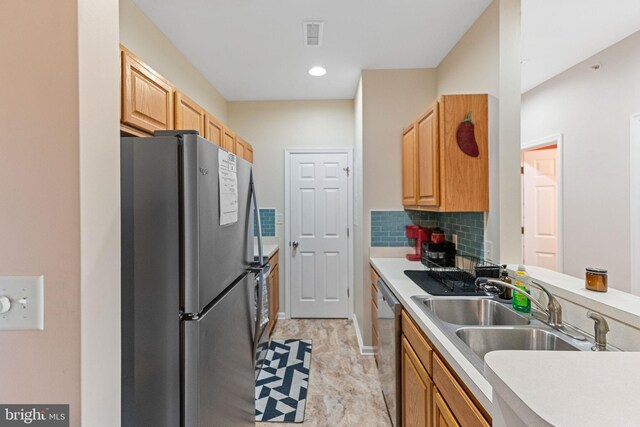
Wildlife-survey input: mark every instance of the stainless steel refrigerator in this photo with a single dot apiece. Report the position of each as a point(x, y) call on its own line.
point(194, 304)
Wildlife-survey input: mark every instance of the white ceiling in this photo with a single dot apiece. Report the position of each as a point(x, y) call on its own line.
point(253, 49)
point(558, 34)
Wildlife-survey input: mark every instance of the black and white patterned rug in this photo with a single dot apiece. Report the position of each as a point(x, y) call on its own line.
point(281, 387)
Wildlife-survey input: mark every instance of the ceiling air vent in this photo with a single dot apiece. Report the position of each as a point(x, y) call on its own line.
point(313, 33)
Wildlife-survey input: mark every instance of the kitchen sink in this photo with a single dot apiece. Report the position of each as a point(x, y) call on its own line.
point(478, 325)
point(473, 311)
point(483, 340)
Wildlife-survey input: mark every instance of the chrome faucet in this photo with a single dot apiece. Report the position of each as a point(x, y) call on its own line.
point(552, 310)
point(601, 328)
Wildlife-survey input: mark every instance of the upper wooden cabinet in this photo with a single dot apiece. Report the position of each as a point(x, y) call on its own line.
point(428, 180)
point(240, 147)
point(248, 152)
point(436, 174)
point(229, 140)
point(409, 195)
point(213, 129)
point(189, 115)
point(147, 98)
point(151, 103)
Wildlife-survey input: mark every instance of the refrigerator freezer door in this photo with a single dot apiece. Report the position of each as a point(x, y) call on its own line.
point(219, 385)
point(215, 255)
point(150, 278)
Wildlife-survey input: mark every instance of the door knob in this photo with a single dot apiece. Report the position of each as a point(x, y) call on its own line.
point(295, 244)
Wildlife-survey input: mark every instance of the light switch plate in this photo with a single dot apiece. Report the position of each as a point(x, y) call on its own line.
point(279, 218)
point(25, 296)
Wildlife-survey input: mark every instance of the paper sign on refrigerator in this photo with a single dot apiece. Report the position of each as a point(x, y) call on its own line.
point(228, 179)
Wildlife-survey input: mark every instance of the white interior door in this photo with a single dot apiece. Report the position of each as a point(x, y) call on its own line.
point(541, 208)
point(318, 234)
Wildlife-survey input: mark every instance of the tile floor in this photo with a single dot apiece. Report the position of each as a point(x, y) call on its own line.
point(343, 385)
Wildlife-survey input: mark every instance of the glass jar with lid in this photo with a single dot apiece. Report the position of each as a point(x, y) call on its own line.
point(596, 279)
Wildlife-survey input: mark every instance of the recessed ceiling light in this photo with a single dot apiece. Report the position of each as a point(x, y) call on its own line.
point(317, 71)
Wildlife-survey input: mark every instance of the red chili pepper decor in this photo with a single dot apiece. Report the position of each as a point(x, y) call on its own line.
point(466, 137)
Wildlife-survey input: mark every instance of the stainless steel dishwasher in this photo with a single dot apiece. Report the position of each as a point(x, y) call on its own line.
point(389, 310)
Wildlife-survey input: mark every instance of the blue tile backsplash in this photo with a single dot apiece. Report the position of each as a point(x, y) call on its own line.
point(267, 221)
point(388, 228)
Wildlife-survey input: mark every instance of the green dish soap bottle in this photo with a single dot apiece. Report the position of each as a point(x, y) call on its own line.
point(520, 302)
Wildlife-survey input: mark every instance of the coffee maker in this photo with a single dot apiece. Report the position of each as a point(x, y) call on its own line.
point(420, 235)
point(438, 251)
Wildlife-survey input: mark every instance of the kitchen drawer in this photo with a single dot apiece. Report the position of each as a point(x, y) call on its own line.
point(417, 341)
point(463, 408)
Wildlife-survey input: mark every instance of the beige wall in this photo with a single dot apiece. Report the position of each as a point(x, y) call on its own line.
point(391, 99)
point(272, 126)
point(509, 247)
point(591, 110)
point(99, 91)
point(472, 65)
point(141, 36)
point(487, 60)
point(40, 207)
point(60, 203)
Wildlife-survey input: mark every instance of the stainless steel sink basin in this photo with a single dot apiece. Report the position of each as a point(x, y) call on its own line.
point(478, 325)
point(473, 311)
point(484, 340)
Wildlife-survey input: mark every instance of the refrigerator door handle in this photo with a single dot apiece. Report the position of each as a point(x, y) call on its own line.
point(260, 320)
point(256, 212)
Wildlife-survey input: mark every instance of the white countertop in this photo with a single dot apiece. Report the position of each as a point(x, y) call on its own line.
point(559, 388)
point(392, 272)
point(268, 249)
point(568, 388)
point(614, 303)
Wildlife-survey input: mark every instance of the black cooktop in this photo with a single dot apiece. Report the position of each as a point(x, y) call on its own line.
point(430, 285)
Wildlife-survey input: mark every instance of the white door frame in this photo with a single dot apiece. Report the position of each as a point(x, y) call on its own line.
point(545, 142)
point(634, 201)
point(287, 220)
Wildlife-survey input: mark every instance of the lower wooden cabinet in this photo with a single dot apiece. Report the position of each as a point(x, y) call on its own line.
point(417, 389)
point(274, 292)
point(374, 313)
point(431, 393)
point(442, 416)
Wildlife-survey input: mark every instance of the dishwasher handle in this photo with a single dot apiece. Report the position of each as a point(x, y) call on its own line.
point(388, 297)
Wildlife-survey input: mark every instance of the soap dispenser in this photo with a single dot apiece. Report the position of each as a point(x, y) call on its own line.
point(520, 302)
point(504, 277)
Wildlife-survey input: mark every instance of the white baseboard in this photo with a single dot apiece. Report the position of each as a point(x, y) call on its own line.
point(365, 350)
point(281, 315)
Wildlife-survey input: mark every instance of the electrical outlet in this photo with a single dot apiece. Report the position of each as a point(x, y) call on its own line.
point(21, 302)
point(279, 218)
point(488, 250)
point(454, 239)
